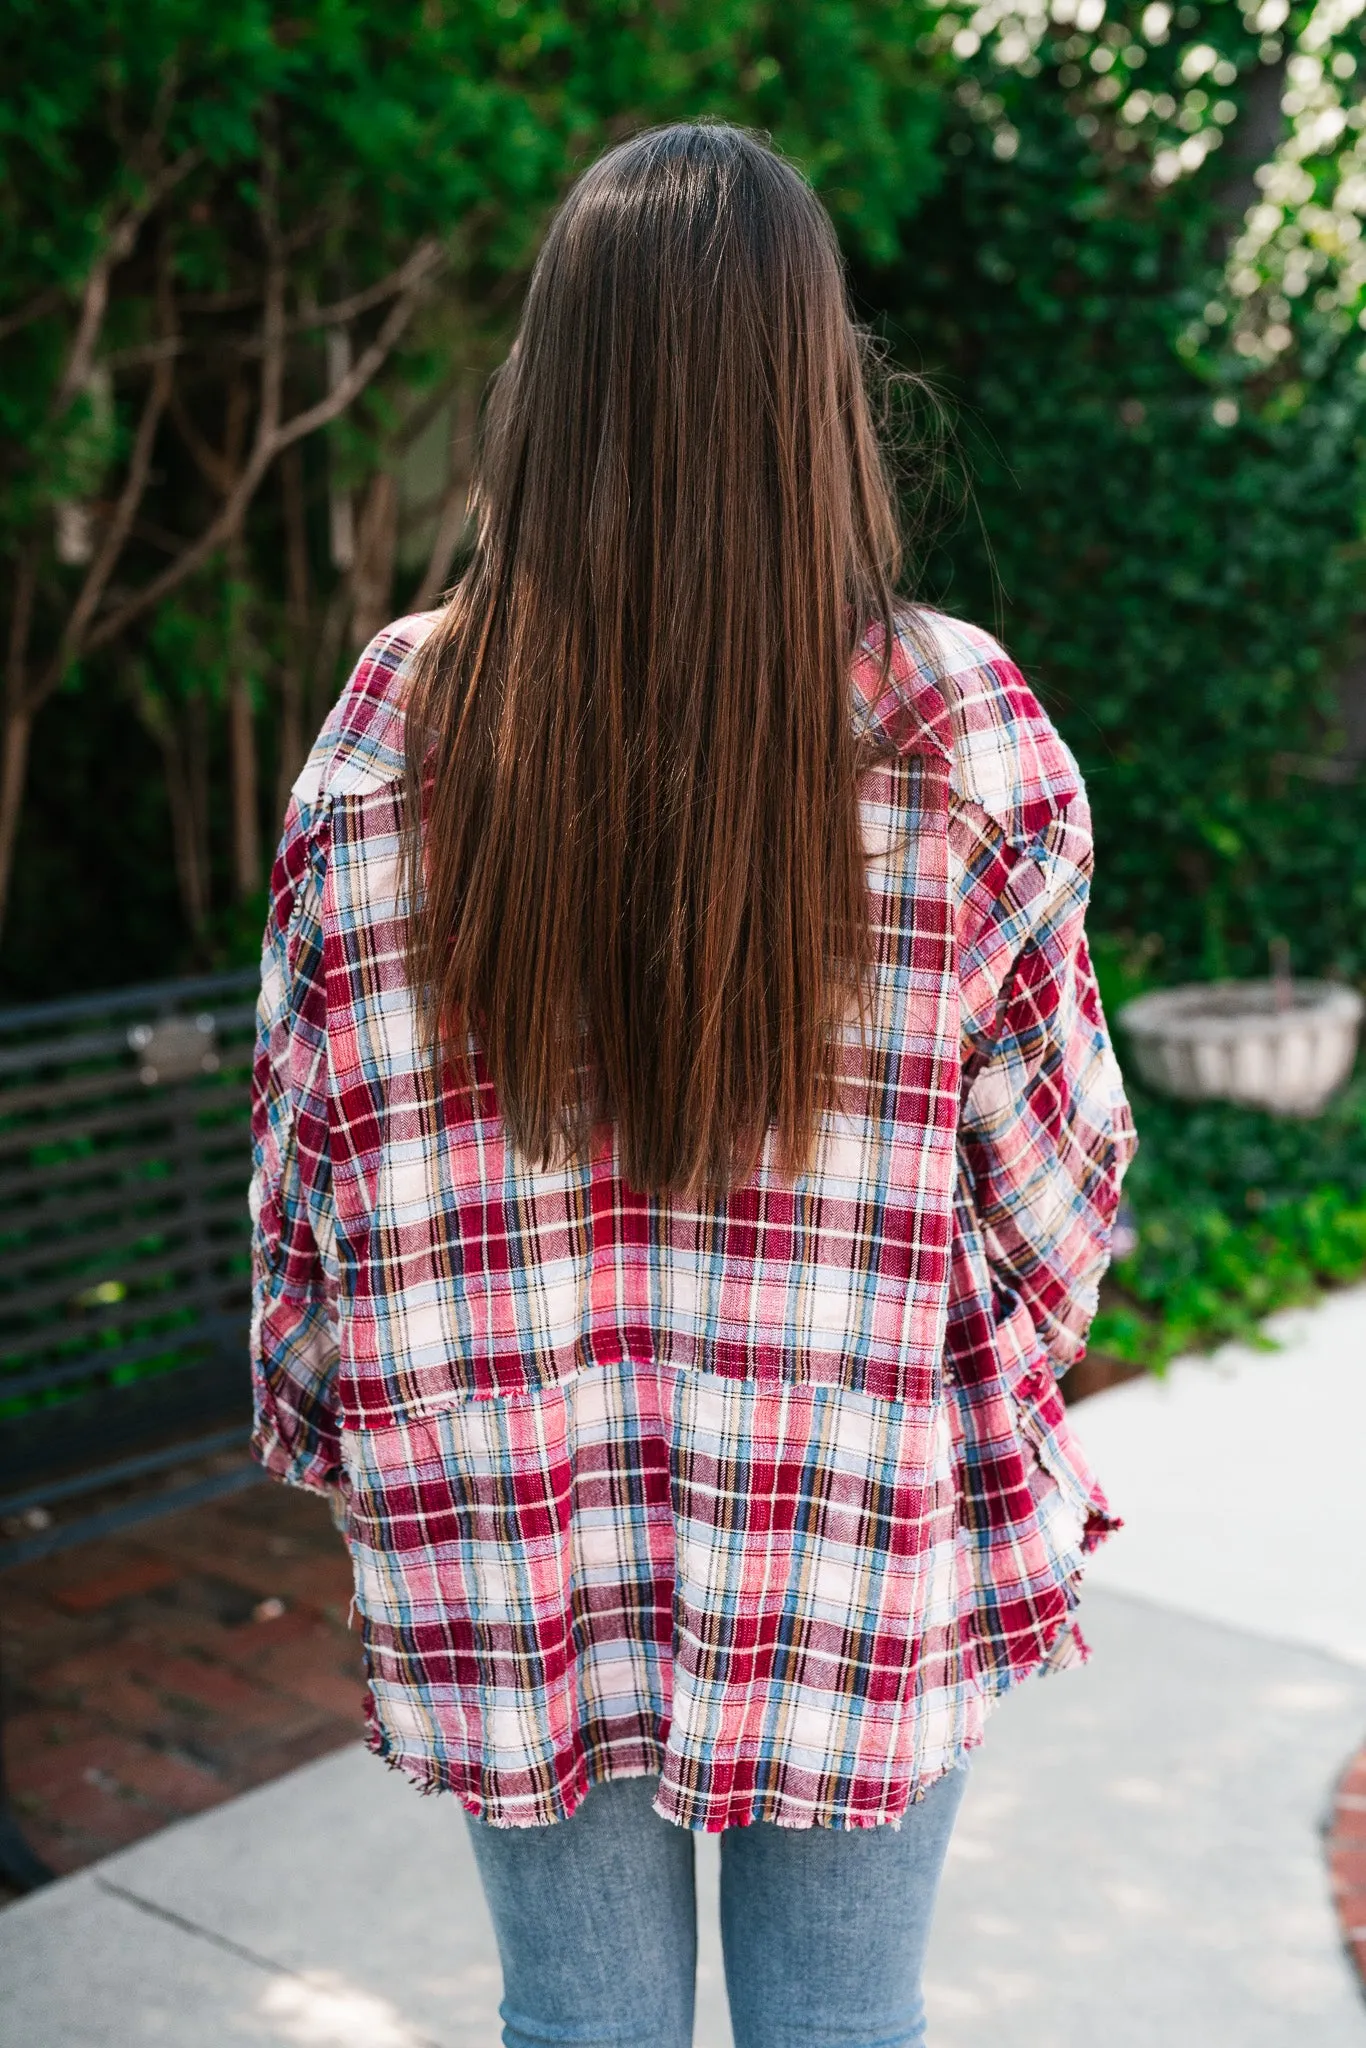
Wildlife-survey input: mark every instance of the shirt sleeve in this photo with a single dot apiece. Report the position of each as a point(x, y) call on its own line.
point(1046, 1132)
point(296, 1434)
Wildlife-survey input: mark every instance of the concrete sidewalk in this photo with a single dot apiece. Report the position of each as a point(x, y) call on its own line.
point(1138, 1862)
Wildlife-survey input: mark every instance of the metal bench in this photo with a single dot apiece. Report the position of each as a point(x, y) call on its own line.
point(124, 1276)
point(124, 1280)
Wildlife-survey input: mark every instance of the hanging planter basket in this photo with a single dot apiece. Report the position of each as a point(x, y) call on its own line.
point(1278, 1045)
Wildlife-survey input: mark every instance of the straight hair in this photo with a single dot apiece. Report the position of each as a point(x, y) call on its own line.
point(632, 841)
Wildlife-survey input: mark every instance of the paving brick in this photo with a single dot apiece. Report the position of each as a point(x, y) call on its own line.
point(205, 1686)
point(29, 1617)
point(326, 1673)
point(136, 1575)
point(1346, 1855)
point(223, 1600)
point(265, 1634)
point(174, 1785)
point(71, 1782)
point(143, 1682)
point(1348, 1869)
point(268, 1521)
point(316, 1579)
point(99, 1682)
point(68, 1845)
point(195, 1613)
point(66, 1850)
point(47, 1576)
point(255, 1758)
point(1354, 1777)
point(39, 1746)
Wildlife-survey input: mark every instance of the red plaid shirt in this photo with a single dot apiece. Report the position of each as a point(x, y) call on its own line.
point(769, 1496)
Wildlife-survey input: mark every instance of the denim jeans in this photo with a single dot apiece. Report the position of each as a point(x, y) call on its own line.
point(824, 1932)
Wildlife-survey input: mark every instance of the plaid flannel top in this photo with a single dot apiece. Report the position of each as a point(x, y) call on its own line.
point(770, 1496)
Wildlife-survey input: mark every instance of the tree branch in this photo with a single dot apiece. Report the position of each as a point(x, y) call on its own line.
point(455, 508)
point(269, 443)
point(235, 301)
point(272, 355)
point(430, 408)
point(95, 295)
point(450, 526)
point(143, 354)
point(20, 626)
point(424, 256)
point(46, 301)
point(73, 640)
point(362, 370)
point(203, 454)
point(273, 311)
point(18, 719)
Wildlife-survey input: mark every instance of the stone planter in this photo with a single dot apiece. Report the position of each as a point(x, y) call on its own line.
point(1282, 1046)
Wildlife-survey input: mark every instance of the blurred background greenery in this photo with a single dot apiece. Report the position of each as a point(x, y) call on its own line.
point(257, 262)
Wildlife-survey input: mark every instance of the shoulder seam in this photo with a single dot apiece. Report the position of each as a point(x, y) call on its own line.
point(361, 746)
point(1006, 755)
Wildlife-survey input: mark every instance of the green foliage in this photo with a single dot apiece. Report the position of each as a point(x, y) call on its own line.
point(195, 161)
point(1239, 1213)
point(364, 127)
point(1166, 525)
point(96, 903)
point(1170, 541)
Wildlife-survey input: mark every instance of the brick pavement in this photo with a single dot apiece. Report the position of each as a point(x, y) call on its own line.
point(152, 1675)
point(1346, 1847)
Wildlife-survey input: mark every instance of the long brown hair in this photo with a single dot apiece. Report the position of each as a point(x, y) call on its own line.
point(632, 834)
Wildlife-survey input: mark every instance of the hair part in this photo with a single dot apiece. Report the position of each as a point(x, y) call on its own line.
point(632, 835)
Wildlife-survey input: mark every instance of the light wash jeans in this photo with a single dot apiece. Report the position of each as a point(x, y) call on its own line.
point(824, 1932)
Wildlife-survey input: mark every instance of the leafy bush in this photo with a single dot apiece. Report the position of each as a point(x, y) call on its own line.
point(1157, 378)
point(255, 265)
point(1238, 1213)
point(1167, 529)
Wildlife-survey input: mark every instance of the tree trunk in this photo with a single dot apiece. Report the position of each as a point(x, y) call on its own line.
point(13, 776)
point(341, 508)
point(292, 744)
point(186, 833)
point(454, 514)
point(19, 711)
point(195, 775)
point(246, 826)
point(327, 657)
point(183, 744)
point(372, 579)
point(246, 838)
